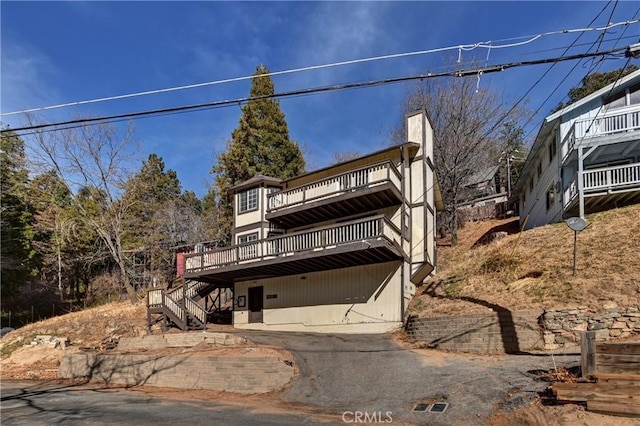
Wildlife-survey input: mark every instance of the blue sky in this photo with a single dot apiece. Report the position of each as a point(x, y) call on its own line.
point(58, 52)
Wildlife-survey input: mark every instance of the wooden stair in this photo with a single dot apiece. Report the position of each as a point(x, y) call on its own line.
point(617, 387)
point(178, 306)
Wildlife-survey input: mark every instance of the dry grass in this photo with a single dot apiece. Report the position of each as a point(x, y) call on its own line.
point(85, 328)
point(534, 269)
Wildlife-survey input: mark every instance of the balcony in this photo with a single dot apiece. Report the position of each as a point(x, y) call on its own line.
point(612, 178)
point(358, 242)
point(618, 184)
point(612, 122)
point(365, 189)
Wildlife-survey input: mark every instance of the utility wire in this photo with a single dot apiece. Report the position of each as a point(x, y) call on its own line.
point(466, 47)
point(216, 104)
point(547, 71)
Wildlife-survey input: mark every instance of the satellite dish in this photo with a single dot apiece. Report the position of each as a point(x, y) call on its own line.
point(576, 223)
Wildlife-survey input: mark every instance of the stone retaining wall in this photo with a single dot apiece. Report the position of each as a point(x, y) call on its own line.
point(179, 340)
point(513, 332)
point(237, 373)
point(502, 332)
point(563, 326)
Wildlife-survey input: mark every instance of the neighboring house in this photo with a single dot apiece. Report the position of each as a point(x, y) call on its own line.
point(585, 158)
point(482, 197)
point(335, 250)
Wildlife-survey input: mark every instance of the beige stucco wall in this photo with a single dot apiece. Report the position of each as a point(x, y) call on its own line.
point(357, 295)
point(250, 217)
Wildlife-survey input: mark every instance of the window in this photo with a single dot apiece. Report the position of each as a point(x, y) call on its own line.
point(248, 200)
point(551, 196)
point(552, 151)
point(531, 184)
point(247, 238)
point(540, 169)
point(247, 250)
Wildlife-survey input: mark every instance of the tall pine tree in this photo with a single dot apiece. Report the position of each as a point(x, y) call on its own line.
point(259, 145)
point(18, 256)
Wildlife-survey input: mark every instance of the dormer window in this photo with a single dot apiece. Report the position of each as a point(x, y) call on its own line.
point(248, 200)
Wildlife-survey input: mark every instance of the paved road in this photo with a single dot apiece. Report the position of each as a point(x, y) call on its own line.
point(38, 403)
point(354, 375)
point(370, 373)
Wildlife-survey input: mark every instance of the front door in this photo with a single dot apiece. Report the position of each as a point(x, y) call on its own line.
point(255, 304)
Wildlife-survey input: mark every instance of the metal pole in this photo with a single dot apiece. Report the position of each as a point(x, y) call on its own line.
point(575, 251)
point(508, 176)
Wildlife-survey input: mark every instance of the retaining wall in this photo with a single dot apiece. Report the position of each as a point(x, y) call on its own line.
point(237, 373)
point(493, 332)
point(562, 327)
point(513, 332)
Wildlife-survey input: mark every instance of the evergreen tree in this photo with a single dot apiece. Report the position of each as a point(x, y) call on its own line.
point(593, 82)
point(148, 194)
point(18, 261)
point(259, 145)
point(512, 155)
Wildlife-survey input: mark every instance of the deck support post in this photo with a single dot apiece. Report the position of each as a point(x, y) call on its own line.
point(588, 353)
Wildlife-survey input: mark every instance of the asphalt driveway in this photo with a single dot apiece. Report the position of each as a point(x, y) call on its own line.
point(374, 375)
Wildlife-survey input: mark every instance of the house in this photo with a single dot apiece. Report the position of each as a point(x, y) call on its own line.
point(585, 158)
point(482, 196)
point(340, 249)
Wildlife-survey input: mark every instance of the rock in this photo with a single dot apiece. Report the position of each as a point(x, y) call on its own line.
point(549, 339)
point(619, 325)
point(610, 305)
point(615, 333)
point(554, 326)
point(602, 334)
point(580, 327)
point(597, 326)
point(565, 338)
point(611, 315)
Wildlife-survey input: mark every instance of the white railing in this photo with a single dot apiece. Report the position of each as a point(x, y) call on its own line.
point(570, 191)
point(321, 238)
point(612, 177)
point(175, 308)
point(365, 177)
point(188, 289)
point(615, 121)
point(196, 310)
point(154, 297)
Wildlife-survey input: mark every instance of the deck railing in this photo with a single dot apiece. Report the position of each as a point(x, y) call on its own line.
point(612, 177)
point(316, 239)
point(570, 191)
point(604, 178)
point(615, 121)
point(365, 177)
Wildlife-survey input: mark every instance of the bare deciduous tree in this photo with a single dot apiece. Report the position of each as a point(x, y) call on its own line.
point(92, 160)
point(466, 121)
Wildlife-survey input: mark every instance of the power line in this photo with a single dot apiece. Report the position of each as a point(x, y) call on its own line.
point(464, 47)
point(593, 67)
point(217, 104)
point(532, 116)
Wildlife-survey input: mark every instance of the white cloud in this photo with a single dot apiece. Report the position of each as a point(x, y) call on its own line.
point(25, 72)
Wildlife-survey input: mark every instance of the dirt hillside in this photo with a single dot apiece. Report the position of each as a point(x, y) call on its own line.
point(534, 269)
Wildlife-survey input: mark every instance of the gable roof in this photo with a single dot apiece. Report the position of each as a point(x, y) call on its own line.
point(551, 123)
point(482, 175)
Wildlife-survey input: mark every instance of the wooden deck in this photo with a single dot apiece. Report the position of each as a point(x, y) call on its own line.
point(617, 387)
